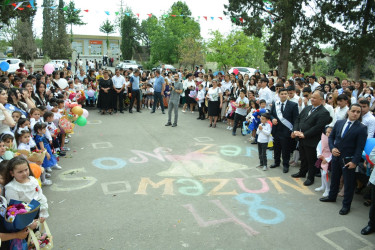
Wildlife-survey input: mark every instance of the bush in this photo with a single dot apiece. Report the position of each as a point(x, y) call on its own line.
point(341, 74)
point(147, 65)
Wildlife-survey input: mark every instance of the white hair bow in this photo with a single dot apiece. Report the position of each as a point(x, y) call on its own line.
point(19, 131)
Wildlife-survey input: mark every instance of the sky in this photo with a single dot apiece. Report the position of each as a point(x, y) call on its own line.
point(96, 15)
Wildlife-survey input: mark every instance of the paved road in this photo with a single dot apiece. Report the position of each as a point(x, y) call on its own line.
point(132, 183)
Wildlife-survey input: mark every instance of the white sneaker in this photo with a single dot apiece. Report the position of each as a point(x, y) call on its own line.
point(192, 112)
point(56, 167)
point(48, 175)
point(265, 168)
point(183, 111)
point(319, 189)
point(326, 193)
point(230, 128)
point(66, 141)
point(48, 170)
point(47, 183)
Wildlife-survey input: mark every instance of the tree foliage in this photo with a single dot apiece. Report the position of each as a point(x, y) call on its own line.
point(108, 28)
point(62, 46)
point(191, 52)
point(72, 17)
point(24, 44)
point(236, 49)
point(129, 35)
point(7, 12)
point(49, 28)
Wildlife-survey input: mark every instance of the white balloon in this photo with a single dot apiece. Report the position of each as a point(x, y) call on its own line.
point(63, 84)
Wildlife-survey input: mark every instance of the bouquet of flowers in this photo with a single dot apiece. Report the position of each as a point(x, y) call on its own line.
point(37, 155)
point(193, 94)
point(241, 104)
point(66, 124)
point(40, 240)
point(20, 214)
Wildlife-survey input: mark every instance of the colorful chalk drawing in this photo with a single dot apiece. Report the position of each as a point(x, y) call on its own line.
point(255, 205)
point(231, 218)
point(119, 163)
point(80, 182)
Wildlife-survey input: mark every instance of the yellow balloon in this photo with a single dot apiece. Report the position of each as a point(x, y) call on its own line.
point(77, 110)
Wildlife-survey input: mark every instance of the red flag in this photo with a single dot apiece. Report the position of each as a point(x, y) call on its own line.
point(86, 10)
point(21, 8)
point(28, 6)
point(14, 5)
point(137, 15)
point(173, 15)
point(220, 18)
point(241, 19)
point(205, 18)
point(149, 15)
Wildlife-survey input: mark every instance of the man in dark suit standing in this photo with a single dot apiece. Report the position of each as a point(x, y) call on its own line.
point(283, 115)
point(308, 128)
point(347, 141)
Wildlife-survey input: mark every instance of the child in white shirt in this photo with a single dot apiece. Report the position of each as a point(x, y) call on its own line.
point(200, 99)
point(264, 133)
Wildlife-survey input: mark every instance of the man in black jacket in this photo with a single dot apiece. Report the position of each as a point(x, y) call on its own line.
point(346, 142)
point(283, 115)
point(308, 128)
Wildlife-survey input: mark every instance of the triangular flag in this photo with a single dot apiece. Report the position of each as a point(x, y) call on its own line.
point(128, 14)
point(241, 19)
point(165, 15)
point(32, 3)
point(107, 12)
point(65, 8)
point(205, 17)
point(182, 15)
point(21, 8)
point(86, 10)
point(220, 18)
point(75, 9)
point(137, 15)
point(53, 7)
point(28, 6)
point(18, 5)
point(117, 13)
point(149, 15)
point(234, 19)
point(14, 4)
point(212, 18)
point(173, 15)
point(199, 17)
point(6, 2)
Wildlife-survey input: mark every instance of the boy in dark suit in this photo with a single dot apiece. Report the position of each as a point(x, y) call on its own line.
point(347, 141)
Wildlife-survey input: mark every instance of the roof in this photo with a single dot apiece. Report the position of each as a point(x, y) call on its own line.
point(76, 36)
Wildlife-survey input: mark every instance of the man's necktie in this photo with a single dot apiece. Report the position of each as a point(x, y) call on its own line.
point(346, 129)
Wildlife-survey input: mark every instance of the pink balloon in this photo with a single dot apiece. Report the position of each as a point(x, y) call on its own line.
point(72, 105)
point(235, 71)
point(49, 68)
point(85, 113)
point(72, 95)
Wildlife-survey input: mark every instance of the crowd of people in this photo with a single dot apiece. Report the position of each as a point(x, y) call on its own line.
point(320, 125)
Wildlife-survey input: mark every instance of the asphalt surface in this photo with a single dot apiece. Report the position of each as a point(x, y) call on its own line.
point(129, 182)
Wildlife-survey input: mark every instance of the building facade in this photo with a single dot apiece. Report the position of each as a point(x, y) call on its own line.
point(96, 46)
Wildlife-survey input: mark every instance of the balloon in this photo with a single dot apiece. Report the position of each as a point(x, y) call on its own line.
point(235, 71)
point(85, 113)
point(49, 68)
point(90, 93)
point(370, 144)
point(4, 66)
point(62, 83)
point(73, 104)
point(81, 121)
point(77, 110)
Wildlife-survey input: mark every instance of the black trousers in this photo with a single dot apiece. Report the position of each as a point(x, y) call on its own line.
point(372, 207)
point(135, 94)
point(120, 98)
point(282, 147)
point(201, 112)
point(238, 119)
point(158, 97)
point(338, 169)
point(262, 150)
point(308, 158)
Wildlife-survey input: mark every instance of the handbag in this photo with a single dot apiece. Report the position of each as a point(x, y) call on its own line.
point(42, 239)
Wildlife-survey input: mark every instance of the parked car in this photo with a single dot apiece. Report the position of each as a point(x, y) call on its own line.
point(13, 64)
point(243, 70)
point(168, 67)
point(127, 64)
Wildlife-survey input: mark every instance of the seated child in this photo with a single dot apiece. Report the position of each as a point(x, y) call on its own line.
point(57, 135)
point(16, 115)
point(90, 96)
point(8, 138)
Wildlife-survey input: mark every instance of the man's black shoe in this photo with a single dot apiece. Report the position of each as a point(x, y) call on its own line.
point(308, 182)
point(168, 124)
point(327, 199)
point(298, 175)
point(274, 166)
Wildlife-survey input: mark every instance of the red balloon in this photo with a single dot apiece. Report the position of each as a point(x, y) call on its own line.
point(235, 71)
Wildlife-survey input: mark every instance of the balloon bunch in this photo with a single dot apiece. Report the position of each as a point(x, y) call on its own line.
point(80, 114)
point(4, 66)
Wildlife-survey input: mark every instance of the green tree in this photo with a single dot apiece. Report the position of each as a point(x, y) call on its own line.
point(357, 17)
point(49, 28)
point(191, 52)
point(129, 35)
point(108, 28)
point(62, 46)
point(290, 29)
point(145, 31)
point(25, 40)
point(236, 49)
point(7, 12)
point(72, 17)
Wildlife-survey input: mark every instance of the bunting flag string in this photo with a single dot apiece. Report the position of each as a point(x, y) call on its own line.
point(31, 4)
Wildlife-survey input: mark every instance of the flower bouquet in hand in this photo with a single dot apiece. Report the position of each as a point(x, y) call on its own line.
point(37, 155)
point(241, 104)
point(41, 240)
point(65, 123)
point(20, 214)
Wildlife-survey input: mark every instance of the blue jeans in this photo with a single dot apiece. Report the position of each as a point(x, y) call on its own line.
point(158, 97)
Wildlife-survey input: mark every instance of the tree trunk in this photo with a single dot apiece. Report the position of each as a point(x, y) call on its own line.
point(286, 38)
point(358, 67)
point(71, 33)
